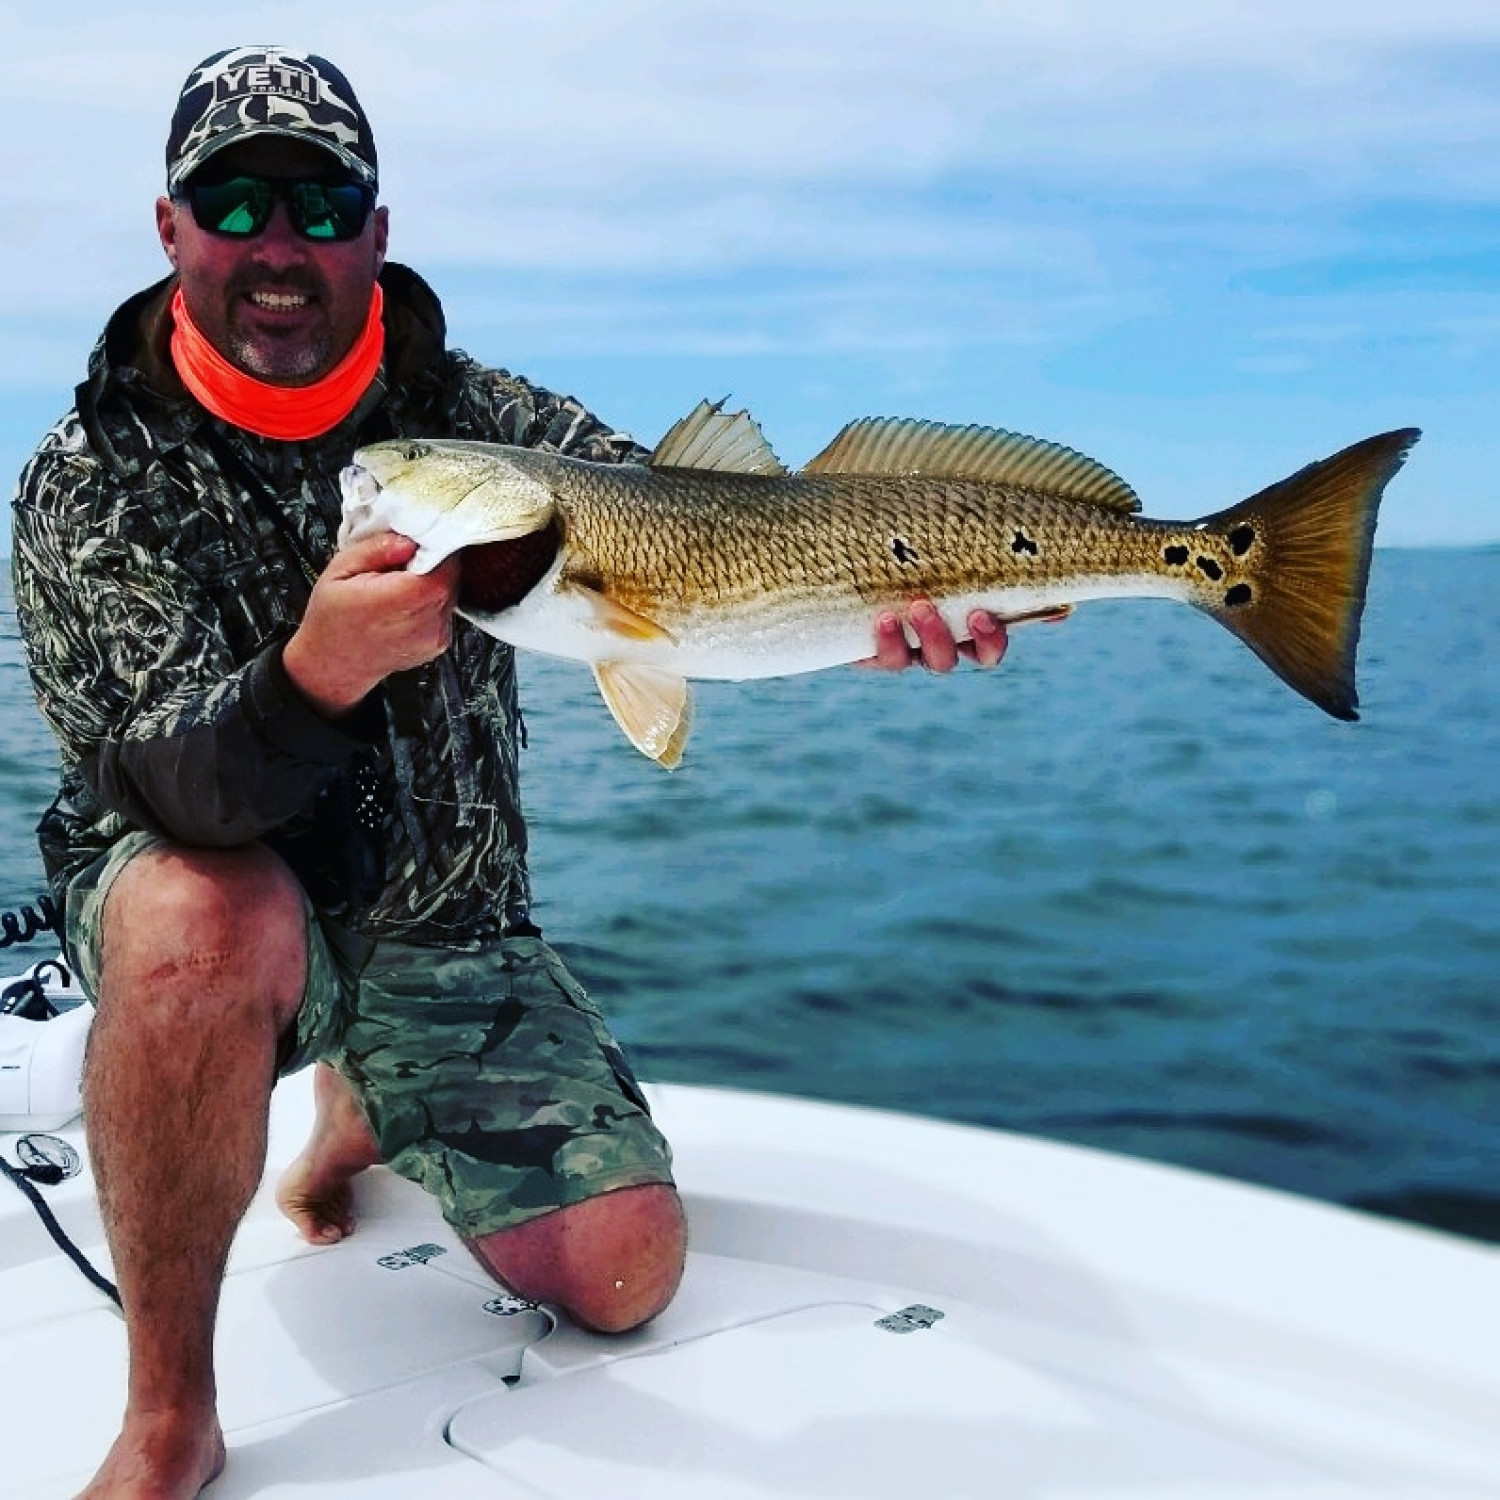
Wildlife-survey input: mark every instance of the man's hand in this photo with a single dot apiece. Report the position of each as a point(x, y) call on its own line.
point(367, 617)
point(936, 649)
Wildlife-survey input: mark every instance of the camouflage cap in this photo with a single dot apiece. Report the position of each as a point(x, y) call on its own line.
point(250, 91)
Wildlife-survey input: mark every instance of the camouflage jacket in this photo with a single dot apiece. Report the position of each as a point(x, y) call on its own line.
point(161, 560)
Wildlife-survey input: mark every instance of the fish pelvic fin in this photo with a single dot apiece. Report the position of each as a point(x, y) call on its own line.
point(1306, 543)
point(652, 705)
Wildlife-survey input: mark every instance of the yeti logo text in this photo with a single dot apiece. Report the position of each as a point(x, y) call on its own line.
point(267, 78)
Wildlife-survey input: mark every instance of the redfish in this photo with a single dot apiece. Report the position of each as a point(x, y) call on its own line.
point(713, 561)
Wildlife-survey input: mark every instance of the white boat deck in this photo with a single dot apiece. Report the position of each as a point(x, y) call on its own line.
point(875, 1306)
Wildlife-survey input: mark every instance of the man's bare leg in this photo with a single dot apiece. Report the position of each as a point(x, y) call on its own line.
point(315, 1191)
point(204, 956)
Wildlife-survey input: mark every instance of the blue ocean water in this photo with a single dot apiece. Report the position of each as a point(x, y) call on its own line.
point(1128, 891)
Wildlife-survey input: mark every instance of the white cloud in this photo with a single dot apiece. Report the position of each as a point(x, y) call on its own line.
point(617, 103)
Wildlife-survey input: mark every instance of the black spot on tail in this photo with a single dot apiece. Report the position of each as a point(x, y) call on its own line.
point(1242, 539)
point(1177, 556)
point(1210, 569)
point(1239, 596)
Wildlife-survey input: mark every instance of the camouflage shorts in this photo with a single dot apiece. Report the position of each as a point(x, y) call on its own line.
point(488, 1076)
point(491, 1079)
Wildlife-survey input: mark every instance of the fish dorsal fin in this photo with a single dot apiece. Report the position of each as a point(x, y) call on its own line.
point(934, 450)
point(711, 438)
point(652, 705)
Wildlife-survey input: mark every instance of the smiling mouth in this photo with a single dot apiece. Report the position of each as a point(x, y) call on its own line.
point(280, 301)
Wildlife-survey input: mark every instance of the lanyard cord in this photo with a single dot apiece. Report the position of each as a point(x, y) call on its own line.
point(23, 1180)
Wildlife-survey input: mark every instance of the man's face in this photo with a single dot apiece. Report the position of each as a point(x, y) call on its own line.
point(277, 306)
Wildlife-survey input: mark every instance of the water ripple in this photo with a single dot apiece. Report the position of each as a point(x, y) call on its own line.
point(1128, 890)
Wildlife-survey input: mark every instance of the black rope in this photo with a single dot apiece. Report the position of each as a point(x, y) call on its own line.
point(27, 998)
point(23, 925)
point(22, 1179)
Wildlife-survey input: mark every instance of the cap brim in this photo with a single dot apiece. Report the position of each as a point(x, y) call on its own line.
point(191, 161)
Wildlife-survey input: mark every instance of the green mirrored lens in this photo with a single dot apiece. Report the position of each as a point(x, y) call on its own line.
point(328, 211)
point(241, 207)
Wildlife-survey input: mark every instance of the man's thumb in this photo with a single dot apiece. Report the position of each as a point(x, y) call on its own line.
point(384, 552)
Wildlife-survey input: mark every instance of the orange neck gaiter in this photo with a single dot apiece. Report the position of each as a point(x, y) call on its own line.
point(286, 412)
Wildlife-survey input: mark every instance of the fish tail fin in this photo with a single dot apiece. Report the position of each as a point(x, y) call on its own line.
point(1303, 548)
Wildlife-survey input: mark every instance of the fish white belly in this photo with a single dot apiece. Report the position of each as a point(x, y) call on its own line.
point(772, 637)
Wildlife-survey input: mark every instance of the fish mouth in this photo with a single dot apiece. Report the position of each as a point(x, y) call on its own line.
point(361, 492)
point(358, 485)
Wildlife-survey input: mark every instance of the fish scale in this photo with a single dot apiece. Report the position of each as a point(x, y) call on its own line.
point(676, 546)
point(714, 561)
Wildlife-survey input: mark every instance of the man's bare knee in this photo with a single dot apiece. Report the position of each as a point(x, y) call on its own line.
point(611, 1262)
point(220, 925)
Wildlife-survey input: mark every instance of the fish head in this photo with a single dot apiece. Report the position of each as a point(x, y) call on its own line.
point(444, 494)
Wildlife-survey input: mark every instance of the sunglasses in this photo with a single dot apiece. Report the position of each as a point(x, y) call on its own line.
point(241, 207)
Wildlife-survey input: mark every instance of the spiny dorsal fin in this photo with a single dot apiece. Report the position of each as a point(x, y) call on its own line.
point(711, 438)
point(901, 445)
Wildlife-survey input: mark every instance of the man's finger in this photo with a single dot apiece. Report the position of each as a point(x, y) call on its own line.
point(891, 650)
point(939, 650)
point(988, 637)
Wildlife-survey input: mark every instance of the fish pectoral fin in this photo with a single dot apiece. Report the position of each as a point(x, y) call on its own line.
point(711, 438)
point(652, 705)
point(610, 615)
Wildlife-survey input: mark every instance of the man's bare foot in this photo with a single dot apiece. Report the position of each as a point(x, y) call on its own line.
point(161, 1457)
point(315, 1192)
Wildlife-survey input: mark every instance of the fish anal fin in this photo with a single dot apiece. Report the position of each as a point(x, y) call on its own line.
point(652, 705)
point(935, 450)
point(713, 439)
point(604, 613)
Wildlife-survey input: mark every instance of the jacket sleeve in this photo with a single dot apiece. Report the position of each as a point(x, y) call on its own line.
point(131, 669)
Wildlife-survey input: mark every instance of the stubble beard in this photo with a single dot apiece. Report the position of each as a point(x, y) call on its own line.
point(280, 363)
point(281, 360)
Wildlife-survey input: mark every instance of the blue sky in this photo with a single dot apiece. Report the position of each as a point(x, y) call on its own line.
point(1205, 243)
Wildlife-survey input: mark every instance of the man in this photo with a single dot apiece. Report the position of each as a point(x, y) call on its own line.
point(288, 820)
